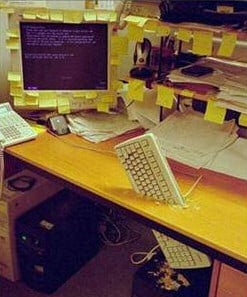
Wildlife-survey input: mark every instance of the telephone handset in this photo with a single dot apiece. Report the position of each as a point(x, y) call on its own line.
point(13, 128)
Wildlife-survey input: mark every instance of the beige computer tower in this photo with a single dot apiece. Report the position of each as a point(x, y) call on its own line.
point(13, 204)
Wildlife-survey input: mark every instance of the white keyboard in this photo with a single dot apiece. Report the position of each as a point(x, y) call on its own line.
point(147, 170)
point(179, 255)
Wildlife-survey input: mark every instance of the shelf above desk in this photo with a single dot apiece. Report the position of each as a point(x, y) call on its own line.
point(215, 220)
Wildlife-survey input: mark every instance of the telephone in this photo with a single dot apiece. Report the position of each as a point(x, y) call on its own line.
point(13, 128)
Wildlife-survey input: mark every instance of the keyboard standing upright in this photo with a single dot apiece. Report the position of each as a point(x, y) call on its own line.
point(147, 170)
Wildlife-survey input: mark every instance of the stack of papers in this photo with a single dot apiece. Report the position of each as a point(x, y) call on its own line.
point(96, 127)
point(229, 77)
point(232, 160)
point(189, 139)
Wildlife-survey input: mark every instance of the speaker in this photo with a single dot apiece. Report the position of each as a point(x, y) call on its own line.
point(142, 60)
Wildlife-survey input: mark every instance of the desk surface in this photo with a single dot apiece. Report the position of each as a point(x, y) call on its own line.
point(216, 216)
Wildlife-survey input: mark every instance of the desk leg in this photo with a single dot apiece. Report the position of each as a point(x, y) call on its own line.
point(214, 279)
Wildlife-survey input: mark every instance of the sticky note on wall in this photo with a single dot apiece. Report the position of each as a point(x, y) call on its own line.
point(90, 15)
point(56, 15)
point(43, 14)
point(47, 99)
point(13, 32)
point(135, 33)
point(165, 96)
point(30, 100)
point(102, 107)
point(187, 93)
point(136, 90)
point(163, 30)
point(29, 15)
point(214, 113)
point(228, 44)
point(72, 16)
point(63, 104)
point(13, 43)
point(119, 45)
point(202, 43)
point(184, 34)
point(14, 76)
point(243, 119)
point(151, 25)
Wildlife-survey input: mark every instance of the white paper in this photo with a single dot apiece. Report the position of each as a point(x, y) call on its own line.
point(189, 139)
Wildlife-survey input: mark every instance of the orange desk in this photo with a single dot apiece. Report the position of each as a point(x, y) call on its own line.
point(215, 220)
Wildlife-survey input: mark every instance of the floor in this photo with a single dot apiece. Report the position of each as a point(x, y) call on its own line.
point(108, 274)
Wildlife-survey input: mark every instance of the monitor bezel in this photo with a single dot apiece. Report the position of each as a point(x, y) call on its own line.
point(100, 91)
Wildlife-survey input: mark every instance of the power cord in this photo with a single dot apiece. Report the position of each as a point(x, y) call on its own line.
point(113, 231)
point(145, 256)
point(192, 187)
point(81, 146)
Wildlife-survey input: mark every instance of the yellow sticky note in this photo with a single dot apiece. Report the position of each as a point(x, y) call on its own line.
point(163, 30)
point(103, 15)
point(136, 90)
point(119, 45)
point(214, 113)
point(91, 94)
point(184, 34)
point(116, 85)
point(114, 72)
point(63, 105)
point(32, 93)
point(187, 93)
point(13, 32)
point(15, 84)
point(13, 43)
point(43, 14)
point(90, 15)
point(225, 9)
point(108, 98)
point(228, 44)
point(72, 16)
point(102, 107)
point(38, 128)
point(14, 76)
point(202, 43)
point(165, 96)
point(151, 25)
point(79, 94)
point(47, 99)
point(30, 100)
point(142, 22)
point(56, 15)
point(113, 16)
point(19, 101)
point(134, 19)
point(135, 33)
point(3, 4)
point(16, 91)
point(29, 15)
point(242, 120)
point(115, 60)
point(8, 10)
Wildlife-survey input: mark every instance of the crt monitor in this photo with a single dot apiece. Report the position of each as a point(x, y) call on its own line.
point(64, 56)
